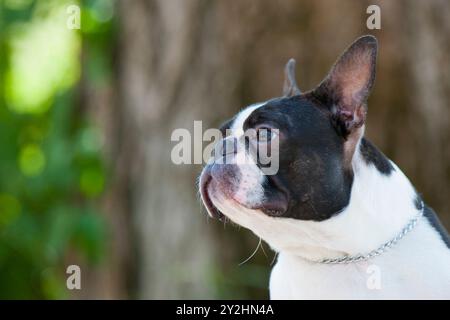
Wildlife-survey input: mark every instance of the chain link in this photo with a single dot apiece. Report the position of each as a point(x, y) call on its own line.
point(384, 247)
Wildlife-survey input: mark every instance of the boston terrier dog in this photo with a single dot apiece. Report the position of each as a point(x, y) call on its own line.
point(344, 219)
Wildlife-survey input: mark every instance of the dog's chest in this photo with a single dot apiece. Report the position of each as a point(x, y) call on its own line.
point(354, 281)
point(407, 272)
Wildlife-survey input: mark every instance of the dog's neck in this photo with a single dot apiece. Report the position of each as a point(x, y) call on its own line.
point(380, 206)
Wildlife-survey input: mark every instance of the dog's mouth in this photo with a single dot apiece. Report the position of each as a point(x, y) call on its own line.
point(205, 181)
point(273, 204)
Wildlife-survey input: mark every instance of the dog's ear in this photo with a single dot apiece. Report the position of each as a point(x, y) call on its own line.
point(346, 88)
point(290, 85)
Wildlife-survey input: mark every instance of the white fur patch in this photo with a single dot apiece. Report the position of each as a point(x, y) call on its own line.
point(249, 190)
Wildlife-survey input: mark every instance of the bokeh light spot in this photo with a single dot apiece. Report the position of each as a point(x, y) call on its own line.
point(31, 160)
point(92, 181)
point(89, 140)
point(103, 10)
point(44, 61)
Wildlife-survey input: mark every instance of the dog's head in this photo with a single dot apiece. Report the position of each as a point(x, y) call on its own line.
point(315, 134)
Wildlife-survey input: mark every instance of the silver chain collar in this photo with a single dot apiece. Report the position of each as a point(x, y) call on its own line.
point(384, 247)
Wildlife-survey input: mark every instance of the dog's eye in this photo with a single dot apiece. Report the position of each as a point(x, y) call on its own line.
point(266, 134)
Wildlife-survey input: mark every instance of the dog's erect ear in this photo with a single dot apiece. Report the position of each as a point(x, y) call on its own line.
point(347, 86)
point(290, 85)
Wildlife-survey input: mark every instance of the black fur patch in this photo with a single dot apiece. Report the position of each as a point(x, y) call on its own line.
point(312, 174)
point(433, 220)
point(372, 155)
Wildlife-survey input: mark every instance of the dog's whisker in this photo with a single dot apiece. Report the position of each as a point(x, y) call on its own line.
point(253, 254)
point(274, 258)
point(264, 251)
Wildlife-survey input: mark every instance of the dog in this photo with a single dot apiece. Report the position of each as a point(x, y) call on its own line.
point(345, 221)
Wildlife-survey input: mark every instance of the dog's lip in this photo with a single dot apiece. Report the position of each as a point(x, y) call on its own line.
point(274, 208)
point(205, 180)
point(278, 202)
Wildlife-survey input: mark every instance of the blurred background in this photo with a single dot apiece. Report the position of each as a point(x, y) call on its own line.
point(86, 117)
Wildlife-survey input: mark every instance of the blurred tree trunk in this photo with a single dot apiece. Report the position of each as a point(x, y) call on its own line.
point(180, 61)
point(166, 82)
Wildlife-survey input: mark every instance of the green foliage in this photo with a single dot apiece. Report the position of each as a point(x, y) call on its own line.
point(51, 171)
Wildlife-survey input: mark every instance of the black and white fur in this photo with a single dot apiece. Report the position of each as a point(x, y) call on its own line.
point(335, 194)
